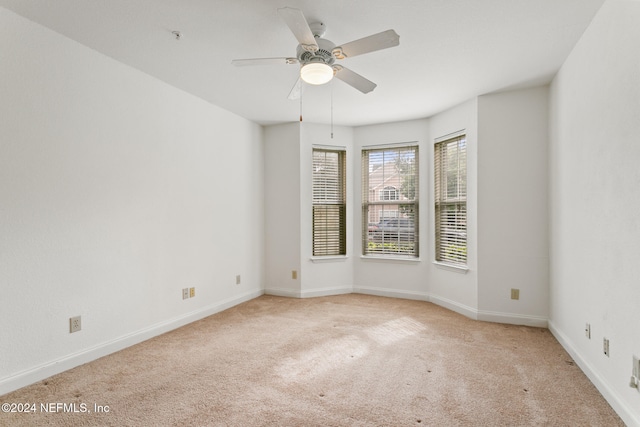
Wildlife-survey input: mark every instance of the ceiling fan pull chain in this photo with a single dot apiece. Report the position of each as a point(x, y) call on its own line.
point(331, 84)
point(301, 92)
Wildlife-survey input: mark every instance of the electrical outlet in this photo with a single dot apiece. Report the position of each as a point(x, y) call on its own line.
point(634, 382)
point(192, 292)
point(75, 324)
point(238, 279)
point(605, 346)
point(515, 293)
point(587, 330)
point(294, 274)
point(185, 293)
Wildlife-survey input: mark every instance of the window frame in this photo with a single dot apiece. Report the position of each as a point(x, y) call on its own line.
point(329, 203)
point(450, 207)
point(402, 243)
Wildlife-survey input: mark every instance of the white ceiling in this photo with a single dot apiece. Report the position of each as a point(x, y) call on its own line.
point(450, 50)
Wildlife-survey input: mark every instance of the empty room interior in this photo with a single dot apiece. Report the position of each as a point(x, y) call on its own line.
point(470, 162)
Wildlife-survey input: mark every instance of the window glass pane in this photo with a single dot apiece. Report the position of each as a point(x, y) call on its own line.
point(393, 234)
point(329, 230)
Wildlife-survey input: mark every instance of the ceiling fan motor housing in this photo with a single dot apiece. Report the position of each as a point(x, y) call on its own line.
point(323, 54)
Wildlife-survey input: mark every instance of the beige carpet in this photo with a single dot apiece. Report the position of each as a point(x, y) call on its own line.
point(349, 360)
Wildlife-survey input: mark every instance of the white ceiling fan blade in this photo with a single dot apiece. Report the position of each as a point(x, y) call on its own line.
point(296, 90)
point(263, 61)
point(297, 23)
point(368, 44)
point(354, 79)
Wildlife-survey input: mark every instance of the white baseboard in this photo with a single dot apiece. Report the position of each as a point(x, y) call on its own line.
point(513, 319)
point(627, 414)
point(465, 310)
point(282, 292)
point(308, 293)
point(324, 292)
point(53, 367)
point(489, 316)
point(392, 293)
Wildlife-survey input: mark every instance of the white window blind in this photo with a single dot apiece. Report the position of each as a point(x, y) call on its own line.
point(450, 166)
point(390, 201)
point(329, 203)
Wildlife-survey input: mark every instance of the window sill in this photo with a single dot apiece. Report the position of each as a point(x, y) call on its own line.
point(462, 269)
point(390, 258)
point(330, 258)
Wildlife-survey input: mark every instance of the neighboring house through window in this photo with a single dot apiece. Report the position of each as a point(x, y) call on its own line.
point(390, 220)
point(329, 203)
point(450, 167)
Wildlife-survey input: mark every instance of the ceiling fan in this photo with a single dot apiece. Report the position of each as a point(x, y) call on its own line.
point(317, 56)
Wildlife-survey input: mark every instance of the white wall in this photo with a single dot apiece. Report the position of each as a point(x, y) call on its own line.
point(512, 206)
point(595, 201)
point(282, 209)
point(116, 192)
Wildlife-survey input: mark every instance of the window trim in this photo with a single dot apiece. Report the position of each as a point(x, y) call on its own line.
point(456, 268)
point(329, 258)
point(401, 259)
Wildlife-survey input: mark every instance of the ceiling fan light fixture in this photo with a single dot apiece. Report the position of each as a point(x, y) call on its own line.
point(316, 73)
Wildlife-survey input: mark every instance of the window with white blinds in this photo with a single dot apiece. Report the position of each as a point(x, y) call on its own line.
point(450, 166)
point(390, 201)
point(329, 203)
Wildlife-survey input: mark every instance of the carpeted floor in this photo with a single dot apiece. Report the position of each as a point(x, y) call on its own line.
point(348, 360)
